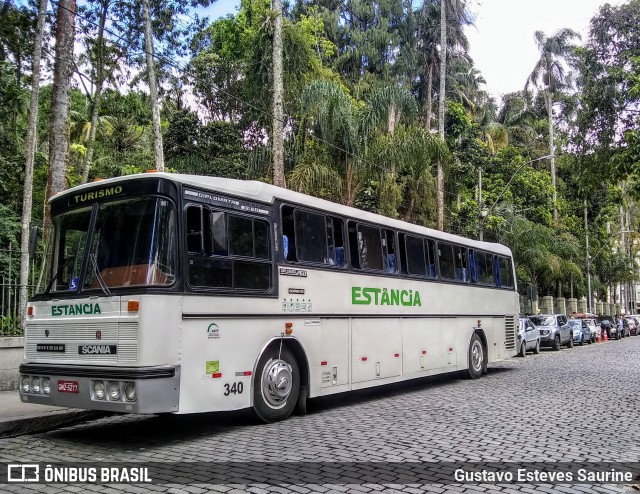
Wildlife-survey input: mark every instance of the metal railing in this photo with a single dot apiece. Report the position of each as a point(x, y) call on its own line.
point(10, 310)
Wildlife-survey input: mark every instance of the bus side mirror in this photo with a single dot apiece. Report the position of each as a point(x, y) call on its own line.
point(33, 242)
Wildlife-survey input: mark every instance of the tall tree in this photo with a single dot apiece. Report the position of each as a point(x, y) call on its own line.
point(59, 133)
point(153, 88)
point(27, 199)
point(551, 75)
point(278, 114)
point(441, 95)
point(98, 51)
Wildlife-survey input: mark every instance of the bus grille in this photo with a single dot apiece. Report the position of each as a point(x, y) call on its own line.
point(73, 335)
point(510, 332)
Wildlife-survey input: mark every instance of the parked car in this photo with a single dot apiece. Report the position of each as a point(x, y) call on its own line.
point(592, 322)
point(594, 327)
point(632, 324)
point(554, 330)
point(581, 331)
point(528, 337)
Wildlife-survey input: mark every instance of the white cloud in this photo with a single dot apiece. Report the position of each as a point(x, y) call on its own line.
point(502, 42)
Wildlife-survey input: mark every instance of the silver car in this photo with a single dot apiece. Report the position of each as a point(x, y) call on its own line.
point(554, 330)
point(528, 337)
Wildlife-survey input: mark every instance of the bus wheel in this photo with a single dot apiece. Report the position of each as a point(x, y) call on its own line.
point(476, 357)
point(276, 385)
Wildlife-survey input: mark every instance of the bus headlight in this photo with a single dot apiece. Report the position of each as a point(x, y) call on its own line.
point(35, 385)
point(46, 385)
point(130, 391)
point(114, 390)
point(98, 390)
point(26, 384)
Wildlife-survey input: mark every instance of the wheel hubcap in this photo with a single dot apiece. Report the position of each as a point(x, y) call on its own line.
point(277, 381)
point(476, 356)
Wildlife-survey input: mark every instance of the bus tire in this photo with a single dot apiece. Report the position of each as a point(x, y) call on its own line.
point(276, 384)
point(476, 357)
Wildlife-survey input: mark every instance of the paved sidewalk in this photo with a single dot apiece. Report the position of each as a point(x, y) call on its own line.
point(18, 418)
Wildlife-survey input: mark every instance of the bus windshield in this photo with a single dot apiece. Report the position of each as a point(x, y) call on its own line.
point(132, 244)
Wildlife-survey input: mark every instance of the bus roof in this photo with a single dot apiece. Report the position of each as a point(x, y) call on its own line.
point(267, 193)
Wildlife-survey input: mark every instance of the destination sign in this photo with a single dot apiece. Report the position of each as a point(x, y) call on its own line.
point(93, 195)
point(228, 202)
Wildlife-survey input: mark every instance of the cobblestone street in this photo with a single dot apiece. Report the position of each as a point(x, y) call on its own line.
point(577, 405)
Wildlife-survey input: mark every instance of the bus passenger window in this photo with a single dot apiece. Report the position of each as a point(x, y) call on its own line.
point(194, 230)
point(461, 263)
point(370, 247)
point(505, 273)
point(218, 233)
point(338, 240)
point(431, 258)
point(415, 256)
point(447, 261)
point(389, 243)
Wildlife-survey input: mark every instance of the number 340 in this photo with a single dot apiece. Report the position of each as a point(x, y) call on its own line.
point(232, 389)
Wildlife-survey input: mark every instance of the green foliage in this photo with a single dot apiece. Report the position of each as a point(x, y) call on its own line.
point(10, 326)
point(9, 239)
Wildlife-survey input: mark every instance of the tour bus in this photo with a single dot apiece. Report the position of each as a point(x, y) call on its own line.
point(171, 293)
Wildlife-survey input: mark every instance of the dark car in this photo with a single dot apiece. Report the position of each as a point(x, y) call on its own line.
point(610, 329)
point(554, 330)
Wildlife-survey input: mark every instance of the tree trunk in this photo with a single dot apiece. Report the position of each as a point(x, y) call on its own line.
point(59, 131)
point(552, 152)
point(153, 89)
point(97, 95)
point(27, 198)
point(278, 114)
point(429, 107)
point(443, 76)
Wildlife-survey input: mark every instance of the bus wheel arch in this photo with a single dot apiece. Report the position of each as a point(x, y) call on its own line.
point(280, 380)
point(477, 354)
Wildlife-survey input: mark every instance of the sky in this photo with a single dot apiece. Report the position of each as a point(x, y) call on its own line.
point(502, 42)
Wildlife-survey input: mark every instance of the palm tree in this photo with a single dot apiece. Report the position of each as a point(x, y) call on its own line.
point(27, 198)
point(454, 10)
point(333, 114)
point(549, 74)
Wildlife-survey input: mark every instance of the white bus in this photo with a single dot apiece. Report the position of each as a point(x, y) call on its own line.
point(182, 294)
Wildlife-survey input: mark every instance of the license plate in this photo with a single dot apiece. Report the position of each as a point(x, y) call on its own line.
point(67, 386)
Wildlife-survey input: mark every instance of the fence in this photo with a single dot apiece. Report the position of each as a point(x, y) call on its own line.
point(10, 323)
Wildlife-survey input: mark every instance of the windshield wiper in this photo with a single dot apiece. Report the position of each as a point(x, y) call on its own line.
point(101, 282)
point(58, 273)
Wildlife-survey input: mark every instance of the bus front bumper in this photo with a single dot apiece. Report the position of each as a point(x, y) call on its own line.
point(116, 389)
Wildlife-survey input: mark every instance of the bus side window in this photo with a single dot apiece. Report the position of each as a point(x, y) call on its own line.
point(505, 273)
point(370, 247)
point(473, 266)
point(353, 245)
point(195, 237)
point(389, 242)
point(338, 239)
point(446, 260)
point(461, 263)
point(415, 255)
point(289, 253)
point(431, 259)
